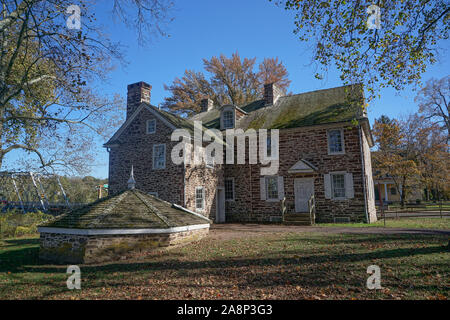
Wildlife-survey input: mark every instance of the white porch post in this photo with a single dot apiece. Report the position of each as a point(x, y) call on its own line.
point(385, 192)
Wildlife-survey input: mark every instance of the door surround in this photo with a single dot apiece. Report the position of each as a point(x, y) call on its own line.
point(301, 203)
point(220, 205)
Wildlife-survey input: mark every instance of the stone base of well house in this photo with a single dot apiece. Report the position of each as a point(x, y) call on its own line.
point(74, 248)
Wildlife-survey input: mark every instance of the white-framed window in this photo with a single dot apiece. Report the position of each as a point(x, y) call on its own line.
point(151, 126)
point(200, 198)
point(153, 194)
point(269, 146)
point(228, 119)
point(272, 188)
point(338, 185)
point(159, 156)
point(335, 141)
point(229, 189)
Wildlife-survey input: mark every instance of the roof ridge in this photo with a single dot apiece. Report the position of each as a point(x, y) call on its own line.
point(319, 90)
point(152, 208)
point(108, 209)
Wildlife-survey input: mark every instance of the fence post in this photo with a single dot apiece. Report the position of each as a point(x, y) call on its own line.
point(283, 208)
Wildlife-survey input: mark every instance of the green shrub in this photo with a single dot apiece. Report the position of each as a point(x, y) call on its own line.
point(14, 224)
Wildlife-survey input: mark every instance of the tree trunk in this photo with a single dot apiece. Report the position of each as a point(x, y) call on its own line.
point(402, 194)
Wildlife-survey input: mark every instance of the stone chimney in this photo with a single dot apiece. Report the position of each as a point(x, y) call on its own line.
point(206, 104)
point(137, 93)
point(272, 93)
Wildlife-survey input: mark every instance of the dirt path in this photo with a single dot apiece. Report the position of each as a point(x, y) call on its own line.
point(235, 231)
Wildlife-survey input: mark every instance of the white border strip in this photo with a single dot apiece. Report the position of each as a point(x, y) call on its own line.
point(190, 211)
point(93, 232)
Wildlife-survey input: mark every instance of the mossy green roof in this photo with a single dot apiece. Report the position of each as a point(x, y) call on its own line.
point(130, 209)
point(340, 104)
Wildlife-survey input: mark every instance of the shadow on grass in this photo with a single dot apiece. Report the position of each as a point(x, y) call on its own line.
point(21, 242)
point(14, 259)
point(350, 238)
point(279, 260)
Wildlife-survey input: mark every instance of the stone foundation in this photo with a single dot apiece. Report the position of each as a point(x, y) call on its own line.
point(79, 249)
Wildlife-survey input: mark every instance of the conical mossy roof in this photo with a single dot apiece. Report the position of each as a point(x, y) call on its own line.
point(130, 209)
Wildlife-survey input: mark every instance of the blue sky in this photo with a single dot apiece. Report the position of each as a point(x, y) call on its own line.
point(204, 28)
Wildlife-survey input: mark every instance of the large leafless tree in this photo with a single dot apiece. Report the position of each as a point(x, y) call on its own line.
point(434, 102)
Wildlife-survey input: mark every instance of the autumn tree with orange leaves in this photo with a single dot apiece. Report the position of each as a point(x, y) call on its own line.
point(413, 153)
point(226, 81)
point(394, 158)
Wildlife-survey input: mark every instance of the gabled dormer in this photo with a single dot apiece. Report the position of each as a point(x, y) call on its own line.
point(229, 114)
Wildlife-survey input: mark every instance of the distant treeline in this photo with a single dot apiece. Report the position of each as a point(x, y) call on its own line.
point(77, 189)
point(82, 189)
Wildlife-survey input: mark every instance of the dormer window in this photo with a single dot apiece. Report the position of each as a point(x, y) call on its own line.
point(228, 119)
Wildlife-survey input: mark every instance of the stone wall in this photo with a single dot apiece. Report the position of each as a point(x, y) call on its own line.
point(136, 149)
point(309, 143)
point(67, 248)
point(210, 179)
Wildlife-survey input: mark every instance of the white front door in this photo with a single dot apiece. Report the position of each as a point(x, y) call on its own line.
point(220, 205)
point(303, 189)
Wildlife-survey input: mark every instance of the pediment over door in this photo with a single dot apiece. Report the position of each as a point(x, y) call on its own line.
point(303, 166)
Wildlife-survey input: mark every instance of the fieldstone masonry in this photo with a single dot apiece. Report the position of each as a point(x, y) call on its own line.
point(177, 183)
point(71, 248)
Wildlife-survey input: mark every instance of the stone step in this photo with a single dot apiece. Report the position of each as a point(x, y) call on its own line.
point(297, 223)
point(297, 217)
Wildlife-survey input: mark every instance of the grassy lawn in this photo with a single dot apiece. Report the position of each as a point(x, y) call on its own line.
point(274, 265)
point(408, 223)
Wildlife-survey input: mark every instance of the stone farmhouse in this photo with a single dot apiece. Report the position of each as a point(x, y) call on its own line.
point(324, 155)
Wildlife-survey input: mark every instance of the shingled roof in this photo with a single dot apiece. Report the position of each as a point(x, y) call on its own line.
point(130, 209)
point(340, 104)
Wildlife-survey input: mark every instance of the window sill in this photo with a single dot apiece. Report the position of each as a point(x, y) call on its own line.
point(339, 199)
point(336, 153)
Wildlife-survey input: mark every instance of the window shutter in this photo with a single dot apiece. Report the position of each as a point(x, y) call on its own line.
point(280, 188)
point(262, 186)
point(349, 191)
point(327, 185)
